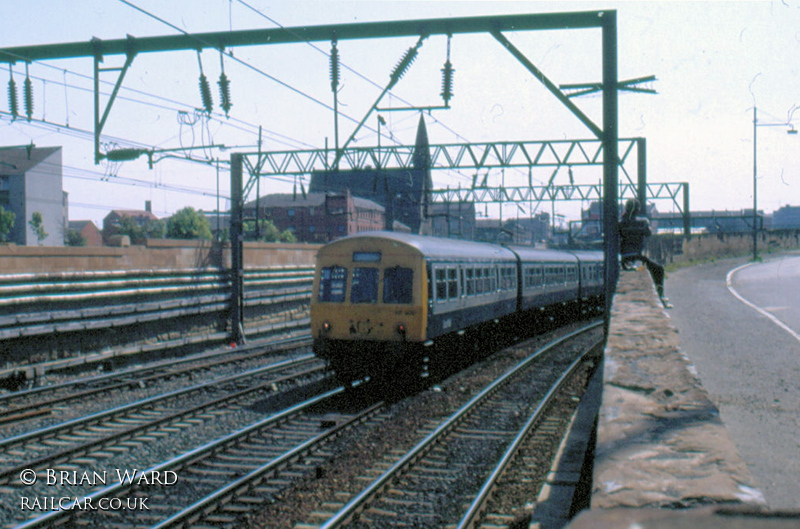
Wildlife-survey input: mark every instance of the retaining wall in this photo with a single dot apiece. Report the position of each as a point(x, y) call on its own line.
point(157, 254)
point(661, 445)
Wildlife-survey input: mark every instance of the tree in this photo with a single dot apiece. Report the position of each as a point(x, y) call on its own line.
point(75, 238)
point(37, 225)
point(7, 219)
point(189, 224)
point(138, 233)
point(268, 232)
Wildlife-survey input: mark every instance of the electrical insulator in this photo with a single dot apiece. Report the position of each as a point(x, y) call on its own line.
point(12, 95)
point(205, 93)
point(28, 95)
point(224, 93)
point(447, 82)
point(405, 62)
point(334, 66)
point(205, 88)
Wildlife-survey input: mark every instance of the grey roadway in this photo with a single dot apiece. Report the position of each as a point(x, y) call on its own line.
point(744, 339)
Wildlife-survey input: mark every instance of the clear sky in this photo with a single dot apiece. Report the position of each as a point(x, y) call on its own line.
point(714, 61)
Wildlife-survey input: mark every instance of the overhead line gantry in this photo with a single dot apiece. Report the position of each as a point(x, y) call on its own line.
point(497, 26)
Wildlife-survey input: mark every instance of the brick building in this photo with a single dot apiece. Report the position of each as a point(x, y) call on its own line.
point(88, 230)
point(144, 218)
point(320, 217)
point(403, 193)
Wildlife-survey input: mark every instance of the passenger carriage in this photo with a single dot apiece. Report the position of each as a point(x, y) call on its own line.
point(388, 305)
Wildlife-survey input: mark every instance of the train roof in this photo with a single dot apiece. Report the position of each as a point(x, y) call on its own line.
point(527, 253)
point(438, 247)
point(588, 255)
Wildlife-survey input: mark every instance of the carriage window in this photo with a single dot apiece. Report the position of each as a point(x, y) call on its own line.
point(533, 277)
point(397, 284)
point(332, 284)
point(441, 284)
point(508, 279)
point(365, 285)
point(572, 274)
point(470, 282)
point(452, 283)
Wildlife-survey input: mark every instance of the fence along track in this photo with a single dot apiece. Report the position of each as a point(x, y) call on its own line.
point(367, 506)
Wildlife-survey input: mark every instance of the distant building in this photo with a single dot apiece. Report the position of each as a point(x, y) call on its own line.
point(711, 221)
point(403, 193)
point(528, 231)
point(112, 221)
point(31, 182)
point(522, 231)
point(320, 217)
point(88, 231)
point(788, 217)
point(452, 220)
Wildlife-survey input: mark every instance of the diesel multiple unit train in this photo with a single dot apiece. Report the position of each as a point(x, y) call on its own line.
point(389, 306)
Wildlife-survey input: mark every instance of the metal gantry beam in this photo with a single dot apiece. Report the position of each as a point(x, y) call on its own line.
point(524, 194)
point(299, 34)
point(494, 25)
point(453, 156)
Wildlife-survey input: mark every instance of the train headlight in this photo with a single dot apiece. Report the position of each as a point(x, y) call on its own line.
point(326, 327)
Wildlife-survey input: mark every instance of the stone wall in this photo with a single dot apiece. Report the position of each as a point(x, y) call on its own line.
point(660, 441)
point(157, 254)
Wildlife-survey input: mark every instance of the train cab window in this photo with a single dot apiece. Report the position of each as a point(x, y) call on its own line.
point(365, 285)
point(397, 283)
point(332, 284)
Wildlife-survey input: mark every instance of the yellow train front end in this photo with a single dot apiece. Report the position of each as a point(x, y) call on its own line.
point(369, 307)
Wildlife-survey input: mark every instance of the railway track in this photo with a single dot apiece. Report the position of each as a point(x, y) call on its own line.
point(235, 479)
point(84, 446)
point(461, 460)
point(46, 400)
point(220, 482)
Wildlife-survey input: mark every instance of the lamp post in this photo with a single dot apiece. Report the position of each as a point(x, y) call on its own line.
point(756, 124)
point(755, 187)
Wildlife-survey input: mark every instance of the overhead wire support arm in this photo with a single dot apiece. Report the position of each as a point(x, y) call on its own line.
point(397, 73)
point(100, 122)
point(628, 85)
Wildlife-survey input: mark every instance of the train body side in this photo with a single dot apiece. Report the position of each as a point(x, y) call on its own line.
point(547, 278)
point(385, 303)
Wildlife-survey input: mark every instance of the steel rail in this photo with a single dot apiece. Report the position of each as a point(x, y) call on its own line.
point(130, 433)
point(470, 518)
point(208, 504)
point(360, 501)
point(61, 516)
point(155, 366)
point(56, 429)
point(150, 372)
